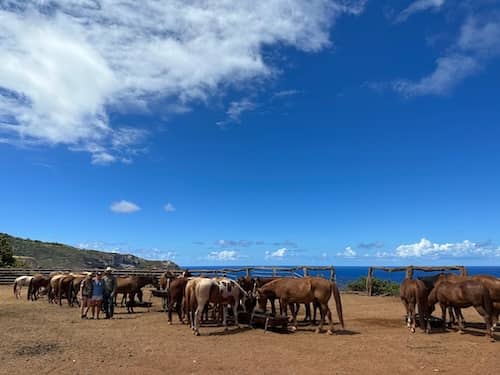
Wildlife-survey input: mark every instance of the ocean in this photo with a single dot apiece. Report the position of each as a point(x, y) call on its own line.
point(346, 274)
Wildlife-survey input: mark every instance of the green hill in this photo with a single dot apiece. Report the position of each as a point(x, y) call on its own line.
point(34, 253)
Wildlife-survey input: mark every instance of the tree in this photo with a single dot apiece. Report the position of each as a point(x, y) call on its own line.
point(6, 253)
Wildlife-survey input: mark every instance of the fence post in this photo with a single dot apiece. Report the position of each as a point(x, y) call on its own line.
point(304, 269)
point(369, 281)
point(247, 271)
point(463, 271)
point(332, 274)
point(274, 272)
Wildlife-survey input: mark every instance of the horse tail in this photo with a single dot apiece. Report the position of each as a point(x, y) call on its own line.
point(338, 303)
point(30, 289)
point(15, 288)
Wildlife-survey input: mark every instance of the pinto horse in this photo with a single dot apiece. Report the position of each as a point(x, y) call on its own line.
point(413, 293)
point(464, 294)
point(201, 291)
point(19, 282)
point(304, 290)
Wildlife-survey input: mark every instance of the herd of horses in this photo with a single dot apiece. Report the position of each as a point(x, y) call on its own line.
point(192, 297)
point(452, 293)
point(66, 285)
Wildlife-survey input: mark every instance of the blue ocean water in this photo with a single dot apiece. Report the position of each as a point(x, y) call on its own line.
point(346, 274)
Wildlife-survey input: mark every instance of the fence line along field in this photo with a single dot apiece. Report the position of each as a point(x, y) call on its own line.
point(42, 338)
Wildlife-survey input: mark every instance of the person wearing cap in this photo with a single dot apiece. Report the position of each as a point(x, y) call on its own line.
point(86, 293)
point(109, 292)
point(97, 294)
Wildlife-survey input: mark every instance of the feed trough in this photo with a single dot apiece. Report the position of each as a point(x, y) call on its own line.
point(268, 321)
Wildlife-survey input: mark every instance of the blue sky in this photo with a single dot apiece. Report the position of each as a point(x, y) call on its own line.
point(344, 133)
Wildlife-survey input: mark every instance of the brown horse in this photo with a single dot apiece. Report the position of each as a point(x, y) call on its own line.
point(303, 290)
point(132, 285)
point(165, 279)
point(176, 293)
point(464, 294)
point(413, 293)
point(37, 282)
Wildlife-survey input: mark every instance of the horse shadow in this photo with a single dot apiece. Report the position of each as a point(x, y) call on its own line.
point(231, 331)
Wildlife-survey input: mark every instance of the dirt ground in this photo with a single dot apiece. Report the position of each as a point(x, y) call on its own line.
point(38, 338)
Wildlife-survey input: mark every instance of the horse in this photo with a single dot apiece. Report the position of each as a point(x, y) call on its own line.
point(19, 282)
point(464, 294)
point(132, 285)
point(304, 290)
point(165, 280)
point(412, 293)
point(430, 282)
point(53, 288)
point(201, 291)
point(493, 286)
point(37, 282)
point(176, 293)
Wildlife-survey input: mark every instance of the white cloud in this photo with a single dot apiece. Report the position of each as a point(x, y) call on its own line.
point(236, 109)
point(278, 254)
point(459, 249)
point(223, 255)
point(67, 64)
point(478, 42)
point(347, 253)
point(418, 6)
point(124, 207)
point(169, 207)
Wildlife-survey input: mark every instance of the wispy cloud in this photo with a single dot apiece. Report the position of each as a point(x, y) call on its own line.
point(124, 207)
point(277, 254)
point(347, 253)
point(224, 255)
point(418, 6)
point(232, 243)
point(371, 245)
point(285, 93)
point(169, 207)
point(67, 64)
point(477, 44)
point(236, 110)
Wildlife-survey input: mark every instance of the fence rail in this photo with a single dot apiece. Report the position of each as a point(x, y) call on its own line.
point(8, 275)
point(409, 272)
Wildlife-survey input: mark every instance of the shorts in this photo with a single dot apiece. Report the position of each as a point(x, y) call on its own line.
point(97, 298)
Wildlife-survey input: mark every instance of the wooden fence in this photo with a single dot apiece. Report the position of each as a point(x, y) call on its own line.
point(409, 272)
point(8, 275)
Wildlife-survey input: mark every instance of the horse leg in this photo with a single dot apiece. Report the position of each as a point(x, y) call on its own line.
point(413, 317)
point(224, 316)
point(443, 315)
point(460, 322)
point(453, 320)
point(308, 312)
point(407, 309)
point(330, 320)
point(324, 308)
point(487, 319)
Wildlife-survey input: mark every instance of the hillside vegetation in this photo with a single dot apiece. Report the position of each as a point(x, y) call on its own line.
point(34, 253)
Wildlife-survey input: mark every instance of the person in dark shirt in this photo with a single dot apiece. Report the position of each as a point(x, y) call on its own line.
point(109, 292)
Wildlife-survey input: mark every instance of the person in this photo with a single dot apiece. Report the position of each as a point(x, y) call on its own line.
point(97, 294)
point(86, 294)
point(109, 292)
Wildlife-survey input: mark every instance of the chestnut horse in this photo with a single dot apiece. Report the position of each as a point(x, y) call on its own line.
point(413, 293)
point(464, 294)
point(176, 293)
point(304, 290)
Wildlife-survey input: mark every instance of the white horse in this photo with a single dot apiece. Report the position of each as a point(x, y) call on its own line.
point(19, 283)
point(201, 291)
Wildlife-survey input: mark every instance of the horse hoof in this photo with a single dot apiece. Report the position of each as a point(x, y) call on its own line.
point(317, 330)
point(293, 329)
point(169, 323)
point(196, 333)
point(412, 330)
point(460, 332)
point(329, 332)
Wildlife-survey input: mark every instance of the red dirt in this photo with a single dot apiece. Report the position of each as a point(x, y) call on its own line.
point(38, 338)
